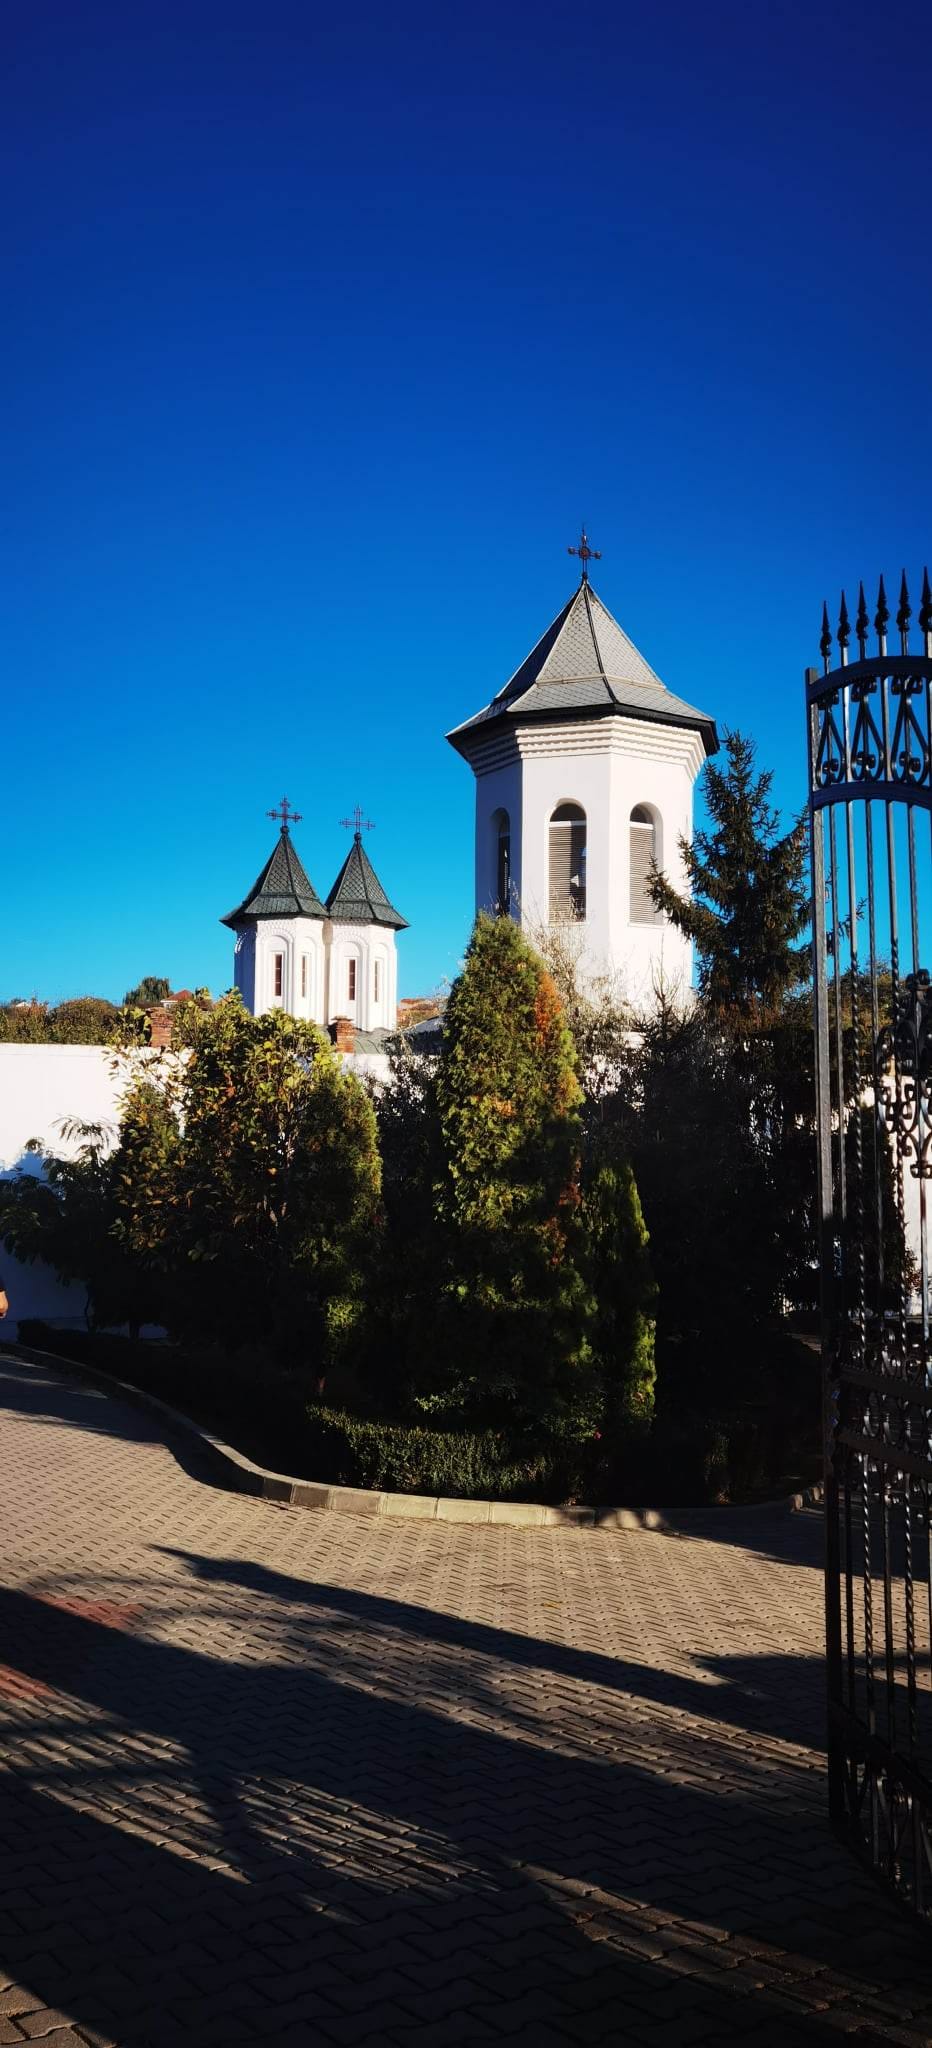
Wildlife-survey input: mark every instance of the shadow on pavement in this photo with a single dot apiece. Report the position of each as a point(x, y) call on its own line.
point(281, 1846)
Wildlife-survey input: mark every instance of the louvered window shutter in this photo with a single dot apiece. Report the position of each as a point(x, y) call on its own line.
point(561, 867)
point(642, 851)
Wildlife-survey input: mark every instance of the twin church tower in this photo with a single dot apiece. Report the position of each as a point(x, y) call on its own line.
point(584, 765)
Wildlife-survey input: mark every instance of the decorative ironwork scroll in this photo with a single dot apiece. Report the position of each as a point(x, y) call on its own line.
point(870, 809)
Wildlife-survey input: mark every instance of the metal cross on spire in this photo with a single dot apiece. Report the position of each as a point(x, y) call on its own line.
point(286, 814)
point(586, 554)
point(357, 824)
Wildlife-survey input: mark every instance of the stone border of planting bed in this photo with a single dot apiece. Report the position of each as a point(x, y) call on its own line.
point(242, 1475)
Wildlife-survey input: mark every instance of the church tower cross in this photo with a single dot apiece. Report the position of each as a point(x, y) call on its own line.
point(286, 814)
point(586, 554)
point(357, 824)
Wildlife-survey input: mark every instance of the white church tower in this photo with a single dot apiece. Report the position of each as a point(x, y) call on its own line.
point(320, 961)
point(280, 961)
point(585, 764)
point(363, 977)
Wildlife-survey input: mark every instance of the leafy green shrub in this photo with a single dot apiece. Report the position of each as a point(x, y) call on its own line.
point(25, 1024)
point(248, 1179)
point(84, 1020)
point(219, 1390)
point(65, 1216)
point(404, 1457)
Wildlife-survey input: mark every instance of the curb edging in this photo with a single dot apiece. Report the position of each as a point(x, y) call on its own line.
point(243, 1475)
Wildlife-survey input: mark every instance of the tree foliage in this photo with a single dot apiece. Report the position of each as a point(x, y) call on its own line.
point(153, 988)
point(747, 905)
point(514, 1309)
point(599, 1023)
point(495, 1223)
point(251, 1181)
point(81, 1020)
point(64, 1214)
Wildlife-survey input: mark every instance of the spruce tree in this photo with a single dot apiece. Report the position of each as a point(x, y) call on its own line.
point(747, 905)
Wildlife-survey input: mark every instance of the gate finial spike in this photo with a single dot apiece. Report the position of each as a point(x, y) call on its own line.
point(844, 629)
point(862, 622)
point(925, 613)
point(825, 643)
point(882, 615)
point(904, 614)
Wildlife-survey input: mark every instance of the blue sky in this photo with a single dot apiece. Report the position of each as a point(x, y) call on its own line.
point(324, 329)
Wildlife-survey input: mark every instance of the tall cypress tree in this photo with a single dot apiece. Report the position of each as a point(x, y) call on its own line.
point(540, 1297)
point(515, 1310)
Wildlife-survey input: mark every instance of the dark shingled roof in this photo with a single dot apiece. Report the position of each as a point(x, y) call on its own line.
point(282, 889)
point(582, 666)
point(357, 896)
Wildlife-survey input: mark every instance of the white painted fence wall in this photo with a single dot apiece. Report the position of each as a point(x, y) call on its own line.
point(42, 1087)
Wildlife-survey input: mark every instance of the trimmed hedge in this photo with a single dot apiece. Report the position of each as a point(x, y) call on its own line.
point(405, 1457)
point(265, 1413)
point(686, 1460)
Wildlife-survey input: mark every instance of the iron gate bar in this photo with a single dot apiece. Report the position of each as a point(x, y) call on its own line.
point(870, 745)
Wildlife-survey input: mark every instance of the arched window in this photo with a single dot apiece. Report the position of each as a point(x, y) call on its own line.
point(567, 863)
point(643, 849)
point(501, 828)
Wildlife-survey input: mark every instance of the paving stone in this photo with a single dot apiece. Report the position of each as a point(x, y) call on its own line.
point(15, 2000)
point(367, 1778)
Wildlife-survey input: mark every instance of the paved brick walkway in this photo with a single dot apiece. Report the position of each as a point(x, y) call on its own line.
point(274, 1776)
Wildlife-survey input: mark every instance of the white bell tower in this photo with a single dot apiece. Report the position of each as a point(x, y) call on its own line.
point(585, 764)
point(280, 962)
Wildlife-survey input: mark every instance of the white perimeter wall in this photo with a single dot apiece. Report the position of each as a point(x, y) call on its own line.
point(42, 1086)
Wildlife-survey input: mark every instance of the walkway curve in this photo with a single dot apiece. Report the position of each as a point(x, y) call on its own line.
point(270, 1776)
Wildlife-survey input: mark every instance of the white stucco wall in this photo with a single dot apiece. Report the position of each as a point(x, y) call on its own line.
point(366, 944)
point(42, 1087)
point(328, 949)
point(295, 939)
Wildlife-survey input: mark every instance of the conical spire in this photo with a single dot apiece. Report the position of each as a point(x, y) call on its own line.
point(357, 896)
point(584, 663)
point(281, 890)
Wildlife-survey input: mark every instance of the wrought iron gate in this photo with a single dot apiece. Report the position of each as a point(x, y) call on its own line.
point(870, 805)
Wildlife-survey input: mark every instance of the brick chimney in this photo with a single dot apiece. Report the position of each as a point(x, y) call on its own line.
point(160, 1028)
point(344, 1034)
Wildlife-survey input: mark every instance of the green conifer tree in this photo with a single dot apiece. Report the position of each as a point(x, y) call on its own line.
point(512, 1343)
point(748, 904)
